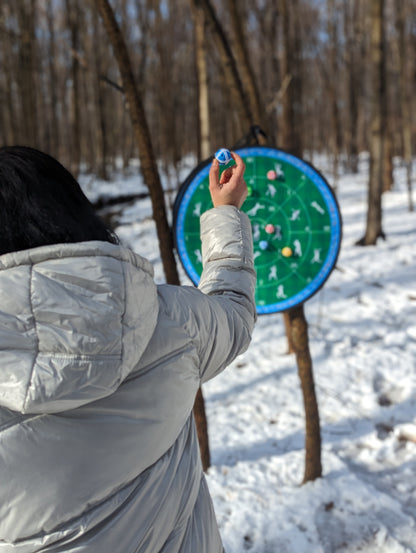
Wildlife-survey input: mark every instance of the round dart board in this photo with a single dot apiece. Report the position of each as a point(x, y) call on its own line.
point(295, 220)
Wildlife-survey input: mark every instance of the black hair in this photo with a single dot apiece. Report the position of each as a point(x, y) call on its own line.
point(41, 203)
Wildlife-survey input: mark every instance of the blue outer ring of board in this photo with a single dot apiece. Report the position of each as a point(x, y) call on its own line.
point(184, 198)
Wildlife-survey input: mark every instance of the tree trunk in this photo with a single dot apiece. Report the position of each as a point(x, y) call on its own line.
point(333, 88)
point(143, 139)
point(202, 429)
point(204, 152)
point(152, 179)
point(378, 125)
point(299, 330)
point(9, 64)
point(26, 71)
point(388, 173)
point(290, 136)
point(248, 80)
point(241, 104)
point(73, 16)
point(101, 126)
point(204, 141)
point(404, 96)
point(295, 320)
point(54, 127)
point(352, 34)
point(291, 132)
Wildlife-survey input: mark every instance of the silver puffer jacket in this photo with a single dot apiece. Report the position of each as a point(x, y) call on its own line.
point(99, 368)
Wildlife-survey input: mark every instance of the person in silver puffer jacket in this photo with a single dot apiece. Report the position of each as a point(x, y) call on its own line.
point(99, 369)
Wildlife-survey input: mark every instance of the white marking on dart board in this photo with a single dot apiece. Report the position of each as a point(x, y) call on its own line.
point(281, 291)
point(298, 247)
point(253, 211)
point(273, 273)
point(318, 208)
point(198, 255)
point(256, 232)
point(316, 256)
point(197, 210)
point(271, 190)
point(278, 232)
point(295, 215)
point(279, 170)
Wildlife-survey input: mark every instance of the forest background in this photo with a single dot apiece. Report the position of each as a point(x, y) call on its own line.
point(61, 92)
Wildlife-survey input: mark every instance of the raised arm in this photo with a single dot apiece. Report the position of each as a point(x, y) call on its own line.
point(228, 276)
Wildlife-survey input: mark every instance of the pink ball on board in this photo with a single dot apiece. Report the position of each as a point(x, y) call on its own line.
point(271, 175)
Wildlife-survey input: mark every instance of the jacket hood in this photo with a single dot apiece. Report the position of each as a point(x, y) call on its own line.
point(74, 322)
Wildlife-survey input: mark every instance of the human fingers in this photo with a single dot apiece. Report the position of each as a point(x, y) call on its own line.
point(240, 166)
point(214, 173)
point(226, 175)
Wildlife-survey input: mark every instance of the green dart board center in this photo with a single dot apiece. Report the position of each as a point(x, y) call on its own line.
point(295, 221)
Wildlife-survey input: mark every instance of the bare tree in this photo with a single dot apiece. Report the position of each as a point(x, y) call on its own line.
point(73, 17)
point(333, 82)
point(404, 93)
point(241, 105)
point(99, 97)
point(204, 140)
point(142, 134)
point(11, 117)
point(300, 339)
point(291, 125)
point(378, 125)
point(353, 63)
point(26, 16)
point(295, 320)
point(53, 93)
point(248, 80)
point(152, 179)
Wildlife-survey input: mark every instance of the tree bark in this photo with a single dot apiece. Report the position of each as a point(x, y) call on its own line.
point(248, 80)
point(9, 64)
point(295, 320)
point(202, 429)
point(378, 124)
point(290, 136)
point(388, 166)
point(101, 127)
point(204, 141)
point(333, 88)
point(299, 330)
point(291, 133)
point(353, 63)
point(73, 16)
point(54, 126)
point(404, 96)
point(26, 71)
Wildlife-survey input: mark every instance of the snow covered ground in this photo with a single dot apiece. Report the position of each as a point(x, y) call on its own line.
point(362, 329)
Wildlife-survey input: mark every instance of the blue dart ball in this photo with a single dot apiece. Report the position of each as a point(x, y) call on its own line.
point(263, 245)
point(223, 156)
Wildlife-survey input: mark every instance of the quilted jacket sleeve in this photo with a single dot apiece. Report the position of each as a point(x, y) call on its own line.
point(228, 279)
